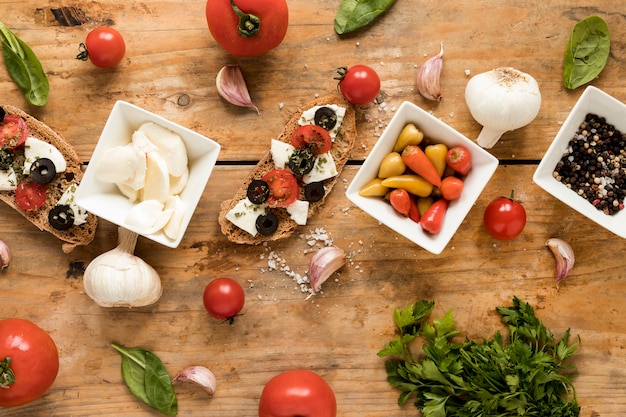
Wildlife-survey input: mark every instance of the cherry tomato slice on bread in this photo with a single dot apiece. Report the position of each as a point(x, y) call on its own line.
point(30, 195)
point(13, 132)
point(284, 187)
point(314, 137)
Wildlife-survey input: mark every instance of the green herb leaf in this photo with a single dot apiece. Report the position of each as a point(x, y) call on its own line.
point(527, 374)
point(147, 379)
point(24, 68)
point(587, 52)
point(355, 14)
point(159, 387)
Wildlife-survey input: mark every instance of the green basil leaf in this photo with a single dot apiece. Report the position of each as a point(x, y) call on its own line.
point(133, 371)
point(147, 379)
point(587, 52)
point(354, 14)
point(24, 68)
point(159, 386)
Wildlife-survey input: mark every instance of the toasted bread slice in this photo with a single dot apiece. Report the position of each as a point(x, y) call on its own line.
point(341, 149)
point(75, 235)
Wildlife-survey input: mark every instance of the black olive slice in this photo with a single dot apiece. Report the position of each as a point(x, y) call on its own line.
point(6, 160)
point(267, 223)
point(2, 114)
point(301, 161)
point(61, 217)
point(258, 191)
point(42, 171)
point(314, 191)
point(326, 118)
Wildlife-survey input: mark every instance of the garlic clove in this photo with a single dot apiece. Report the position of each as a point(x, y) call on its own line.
point(428, 77)
point(201, 376)
point(231, 85)
point(5, 254)
point(323, 264)
point(563, 255)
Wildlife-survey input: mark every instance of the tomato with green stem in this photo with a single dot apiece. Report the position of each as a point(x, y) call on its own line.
point(247, 27)
point(29, 362)
point(359, 84)
point(223, 298)
point(104, 47)
point(505, 218)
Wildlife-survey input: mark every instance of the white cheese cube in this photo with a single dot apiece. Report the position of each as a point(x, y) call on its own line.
point(323, 169)
point(35, 149)
point(244, 215)
point(299, 211)
point(80, 214)
point(281, 152)
point(8, 180)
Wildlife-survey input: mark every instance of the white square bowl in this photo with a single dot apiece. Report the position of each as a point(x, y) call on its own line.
point(106, 201)
point(483, 166)
point(596, 101)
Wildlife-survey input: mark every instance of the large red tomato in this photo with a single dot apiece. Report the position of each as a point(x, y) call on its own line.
point(29, 362)
point(297, 393)
point(247, 27)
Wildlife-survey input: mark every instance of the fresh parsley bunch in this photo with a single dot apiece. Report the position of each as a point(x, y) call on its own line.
point(529, 375)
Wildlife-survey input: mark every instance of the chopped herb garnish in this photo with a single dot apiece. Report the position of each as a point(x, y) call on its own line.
point(525, 374)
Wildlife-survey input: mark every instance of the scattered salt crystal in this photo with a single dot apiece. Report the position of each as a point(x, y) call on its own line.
point(467, 73)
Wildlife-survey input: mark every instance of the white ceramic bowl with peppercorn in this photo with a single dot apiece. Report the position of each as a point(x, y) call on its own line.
point(436, 131)
point(100, 194)
point(548, 174)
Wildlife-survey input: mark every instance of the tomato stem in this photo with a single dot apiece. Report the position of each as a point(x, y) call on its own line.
point(7, 377)
point(249, 24)
point(83, 54)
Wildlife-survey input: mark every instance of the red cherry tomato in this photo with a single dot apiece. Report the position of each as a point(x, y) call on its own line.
point(313, 137)
point(284, 187)
point(30, 195)
point(250, 28)
point(34, 362)
point(105, 47)
point(297, 393)
point(504, 218)
point(223, 298)
point(359, 84)
point(13, 132)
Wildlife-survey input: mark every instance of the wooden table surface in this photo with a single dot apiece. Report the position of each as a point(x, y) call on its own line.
point(170, 69)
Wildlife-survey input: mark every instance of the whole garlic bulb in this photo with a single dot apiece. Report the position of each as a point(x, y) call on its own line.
point(118, 278)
